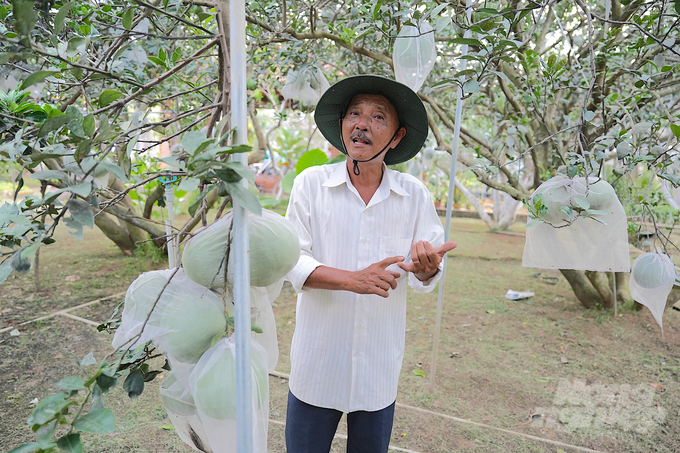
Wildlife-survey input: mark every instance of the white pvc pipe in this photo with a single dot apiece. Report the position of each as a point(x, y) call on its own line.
point(449, 203)
point(169, 222)
point(240, 244)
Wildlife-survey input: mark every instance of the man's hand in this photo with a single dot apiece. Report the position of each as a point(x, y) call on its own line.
point(376, 279)
point(425, 259)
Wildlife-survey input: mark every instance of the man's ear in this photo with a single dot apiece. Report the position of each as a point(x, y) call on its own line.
point(400, 134)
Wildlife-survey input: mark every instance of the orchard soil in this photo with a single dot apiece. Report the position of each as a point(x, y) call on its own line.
point(543, 366)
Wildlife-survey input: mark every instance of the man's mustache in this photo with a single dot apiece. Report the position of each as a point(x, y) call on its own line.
point(362, 135)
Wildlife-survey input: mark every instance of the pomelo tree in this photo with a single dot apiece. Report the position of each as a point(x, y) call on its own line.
point(92, 93)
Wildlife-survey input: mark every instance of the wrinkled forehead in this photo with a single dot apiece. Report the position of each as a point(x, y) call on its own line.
point(374, 100)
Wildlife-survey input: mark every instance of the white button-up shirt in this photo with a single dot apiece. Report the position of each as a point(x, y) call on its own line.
point(348, 348)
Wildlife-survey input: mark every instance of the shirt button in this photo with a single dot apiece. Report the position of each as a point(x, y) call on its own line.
point(363, 240)
point(358, 326)
point(356, 354)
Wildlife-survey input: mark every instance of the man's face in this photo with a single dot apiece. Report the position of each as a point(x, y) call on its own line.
point(368, 125)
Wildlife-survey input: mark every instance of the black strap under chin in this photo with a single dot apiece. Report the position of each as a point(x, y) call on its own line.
point(355, 170)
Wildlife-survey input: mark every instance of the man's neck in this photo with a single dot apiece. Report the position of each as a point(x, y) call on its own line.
point(369, 178)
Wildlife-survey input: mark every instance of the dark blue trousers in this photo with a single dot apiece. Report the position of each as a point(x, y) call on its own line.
point(310, 429)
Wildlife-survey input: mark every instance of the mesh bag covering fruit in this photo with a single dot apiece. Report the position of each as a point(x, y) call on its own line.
point(586, 244)
point(183, 322)
point(274, 251)
point(213, 387)
point(262, 315)
point(651, 281)
point(305, 85)
point(179, 404)
point(414, 55)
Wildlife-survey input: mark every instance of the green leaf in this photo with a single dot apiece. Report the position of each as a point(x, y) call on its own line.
point(588, 115)
point(255, 328)
point(245, 198)
point(83, 189)
point(98, 421)
point(311, 158)
point(80, 211)
point(195, 141)
point(36, 77)
point(418, 372)
point(134, 384)
point(114, 169)
point(106, 382)
point(534, 223)
point(582, 202)
point(471, 86)
point(87, 360)
point(468, 41)
point(76, 123)
point(167, 427)
point(71, 383)
point(109, 96)
point(676, 130)
point(61, 16)
point(88, 125)
point(44, 435)
point(25, 448)
point(128, 16)
point(70, 443)
point(25, 16)
point(242, 170)
point(48, 408)
point(52, 124)
point(50, 174)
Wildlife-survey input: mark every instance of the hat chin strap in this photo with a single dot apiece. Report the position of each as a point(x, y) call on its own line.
point(355, 170)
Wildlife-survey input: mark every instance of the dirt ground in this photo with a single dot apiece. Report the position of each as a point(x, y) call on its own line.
point(535, 375)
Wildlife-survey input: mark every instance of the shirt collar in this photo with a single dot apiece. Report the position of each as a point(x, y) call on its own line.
point(341, 176)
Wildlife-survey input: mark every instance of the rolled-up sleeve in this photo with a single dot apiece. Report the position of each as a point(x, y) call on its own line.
point(428, 228)
point(299, 215)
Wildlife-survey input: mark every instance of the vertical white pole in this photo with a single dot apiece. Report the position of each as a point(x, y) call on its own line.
point(449, 205)
point(169, 222)
point(239, 118)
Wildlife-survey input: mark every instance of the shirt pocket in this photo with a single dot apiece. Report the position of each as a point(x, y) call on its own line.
point(390, 246)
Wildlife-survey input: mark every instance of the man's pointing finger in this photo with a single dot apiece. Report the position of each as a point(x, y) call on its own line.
point(390, 261)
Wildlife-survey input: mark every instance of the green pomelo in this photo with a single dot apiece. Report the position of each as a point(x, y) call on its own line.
point(274, 251)
point(601, 196)
point(191, 321)
point(143, 292)
point(214, 388)
point(653, 270)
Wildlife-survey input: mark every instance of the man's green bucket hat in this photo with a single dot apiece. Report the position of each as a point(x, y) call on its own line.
point(410, 109)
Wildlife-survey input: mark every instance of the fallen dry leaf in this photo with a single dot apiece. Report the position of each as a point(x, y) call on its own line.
point(564, 359)
point(657, 386)
point(72, 278)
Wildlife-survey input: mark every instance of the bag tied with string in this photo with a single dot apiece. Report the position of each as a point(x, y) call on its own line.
point(581, 243)
point(305, 85)
point(651, 282)
point(414, 54)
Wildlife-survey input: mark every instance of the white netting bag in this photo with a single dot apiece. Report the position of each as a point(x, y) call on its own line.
point(262, 315)
point(305, 85)
point(274, 251)
point(651, 281)
point(185, 319)
point(586, 244)
point(213, 386)
point(179, 404)
point(414, 55)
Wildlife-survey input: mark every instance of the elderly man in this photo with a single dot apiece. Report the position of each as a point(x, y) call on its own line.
point(365, 230)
